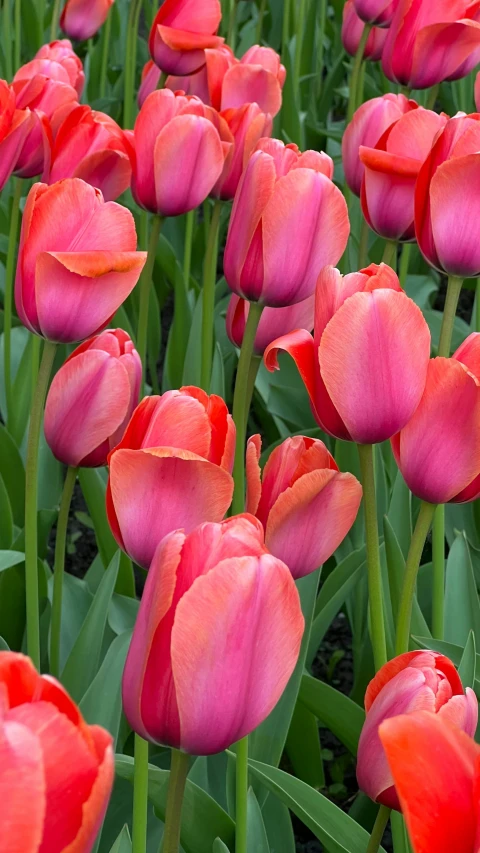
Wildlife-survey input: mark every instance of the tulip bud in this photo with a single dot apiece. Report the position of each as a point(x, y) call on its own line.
point(352, 29)
point(274, 322)
point(376, 12)
point(57, 61)
point(15, 126)
point(81, 19)
point(181, 32)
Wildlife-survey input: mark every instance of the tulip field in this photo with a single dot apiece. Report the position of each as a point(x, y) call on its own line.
point(239, 426)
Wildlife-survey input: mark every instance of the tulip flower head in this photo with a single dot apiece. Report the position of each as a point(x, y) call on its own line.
point(244, 127)
point(415, 681)
point(49, 756)
point(376, 12)
point(305, 504)
point(352, 29)
point(206, 83)
point(77, 261)
point(257, 78)
point(171, 470)
point(181, 32)
point(15, 127)
point(201, 690)
point(81, 19)
point(365, 368)
point(274, 322)
point(57, 61)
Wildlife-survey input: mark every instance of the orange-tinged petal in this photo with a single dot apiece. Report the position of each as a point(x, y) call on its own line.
point(254, 483)
point(22, 788)
point(469, 354)
point(416, 659)
point(95, 806)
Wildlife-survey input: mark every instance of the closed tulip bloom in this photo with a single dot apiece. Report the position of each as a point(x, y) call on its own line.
point(90, 145)
point(377, 12)
point(352, 29)
point(288, 221)
point(207, 83)
point(306, 505)
point(56, 772)
point(178, 156)
point(171, 470)
point(257, 78)
point(181, 32)
point(91, 399)
point(77, 261)
point(57, 61)
point(391, 170)
point(245, 127)
point(81, 19)
point(201, 690)
point(274, 322)
point(415, 681)
point(365, 368)
point(15, 126)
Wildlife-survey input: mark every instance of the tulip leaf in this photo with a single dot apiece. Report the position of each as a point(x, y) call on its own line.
point(256, 834)
point(6, 517)
point(396, 573)
point(278, 824)
point(467, 665)
point(123, 843)
point(4, 647)
point(102, 703)
point(76, 602)
point(462, 607)
point(13, 475)
point(10, 558)
point(400, 513)
point(303, 747)
point(219, 846)
point(335, 710)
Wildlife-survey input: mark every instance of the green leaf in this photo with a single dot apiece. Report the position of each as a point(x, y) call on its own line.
point(303, 747)
point(278, 825)
point(396, 574)
point(76, 601)
point(400, 513)
point(467, 665)
point(10, 558)
point(335, 710)
point(219, 846)
point(123, 843)
point(13, 475)
point(4, 647)
point(256, 834)
point(102, 703)
point(462, 608)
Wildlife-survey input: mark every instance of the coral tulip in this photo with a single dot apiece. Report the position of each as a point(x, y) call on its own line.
point(15, 126)
point(91, 399)
point(206, 84)
point(365, 368)
point(438, 451)
point(305, 504)
point(81, 19)
point(201, 690)
point(257, 78)
point(431, 42)
point(377, 12)
point(181, 32)
point(246, 126)
point(368, 125)
point(171, 470)
point(391, 170)
point(90, 145)
point(77, 260)
point(178, 156)
point(288, 221)
point(446, 204)
point(57, 61)
point(415, 681)
point(352, 29)
point(274, 322)
point(56, 772)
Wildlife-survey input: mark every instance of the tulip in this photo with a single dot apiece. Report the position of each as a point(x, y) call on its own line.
point(376, 12)
point(244, 127)
point(365, 368)
point(415, 681)
point(201, 690)
point(257, 78)
point(391, 170)
point(207, 83)
point(431, 42)
point(56, 773)
point(57, 61)
point(15, 126)
point(436, 769)
point(352, 30)
point(91, 399)
point(81, 19)
point(477, 92)
point(274, 322)
point(181, 32)
point(171, 470)
point(90, 145)
point(368, 125)
point(77, 261)
point(288, 221)
point(178, 156)
point(305, 504)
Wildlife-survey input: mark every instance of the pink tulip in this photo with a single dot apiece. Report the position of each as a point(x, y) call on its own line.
point(428, 42)
point(365, 368)
point(216, 639)
point(274, 322)
point(57, 61)
point(171, 470)
point(305, 504)
point(368, 125)
point(415, 681)
point(91, 399)
point(391, 170)
point(15, 126)
point(257, 78)
point(178, 156)
point(245, 126)
point(90, 145)
point(352, 29)
point(77, 261)
point(377, 12)
point(206, 83)
point(81, 19)
point(288, 221)
point(181, 32)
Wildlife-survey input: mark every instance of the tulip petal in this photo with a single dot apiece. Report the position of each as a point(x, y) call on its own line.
point(253, 474)
point(95, 807)
point(171, 410)
point(469, 354)
point(21, 763)
point(299, 345)
point(420, 660)
point(455, 209)
point(19, 677)
point(462, 712)
point(246, 84)
point(109, 170)
point(447, 46)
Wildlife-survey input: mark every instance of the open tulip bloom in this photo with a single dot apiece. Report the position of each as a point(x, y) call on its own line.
point(181, 32)
point(352, 29)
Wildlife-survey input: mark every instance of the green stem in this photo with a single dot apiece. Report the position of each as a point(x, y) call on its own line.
point(8, 297)
point(187, 252)
point(255, 363)
point(374, 568)
point(357, 65)
point(55, 19)
point(144, 291)
point(162, 80)
point(173, 812)
point(58, 570)
point(241, 771)
point(378, 829)
point(477, 306)
point(7, 39)
point(31, 503)
point(286, 26)
point(261, 12)
point(390, 254)
point(404, 263)
point(322, 15)
point(41, 21)
point(208, 296)
point(131, 62)
point(232, 25)
point(422, 527)
point(454, 289)
point(298, 45)
point(432, 97)
point(241, 404)
point(105, 51)
point(140, 796)
point(405, 90)
point(18, 33)
point(438, 568)
point(36, 348)
point(363, 245)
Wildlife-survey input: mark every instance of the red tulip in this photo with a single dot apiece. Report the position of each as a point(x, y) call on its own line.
point(171, 470)
point(15, 126)
point(206, 84)
point(305, 504)
point(179, 155)
point(77, 261)
point(274, 322)
point(181, 32)
point(90, 145)
point(216, 639)
point(57, 61)
point(391, 170)
point(366, 366)
point(245, 127)
point(257, 78)
point(91, 399)
point(81, 19)
point(377, 12)
point(415, 681)
point(56, 772)
point(352, 29)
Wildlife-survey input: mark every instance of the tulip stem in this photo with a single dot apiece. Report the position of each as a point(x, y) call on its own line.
point(208, 296)
point(7, 39)
point(55, 19)
point(145, 284)
point(140, 796)
point(286, 26)
point(390, 254)
point(354, 77)
point(404, 263)
point(454, 289)
point(432, 97)
point(241, 771)
point(379, 827)
point(187, 252)
point(298, 46)
point(105, 50)
point(8, 296)
point(363, 245)
point(241, 404)
point(58, 570)
point(438, 568)
point(232, 24)
point(18, 34)
point(131, 62)
point(422, 527)
point(374, 568)
point(261, 12)
point(173, 814)
point(31, 503)
point(252, 377)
